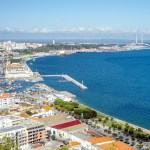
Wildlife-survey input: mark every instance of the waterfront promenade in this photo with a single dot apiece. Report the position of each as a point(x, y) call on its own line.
point(68, 78)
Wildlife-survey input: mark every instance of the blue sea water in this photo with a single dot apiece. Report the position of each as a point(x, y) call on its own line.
point(118, 83)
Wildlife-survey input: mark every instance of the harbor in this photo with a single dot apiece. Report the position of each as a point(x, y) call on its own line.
point(68, 78)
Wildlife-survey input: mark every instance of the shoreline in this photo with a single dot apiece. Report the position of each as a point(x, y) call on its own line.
point(99, 112)
point(117, 120)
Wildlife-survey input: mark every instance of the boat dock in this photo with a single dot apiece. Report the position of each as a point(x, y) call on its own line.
point(68, 78)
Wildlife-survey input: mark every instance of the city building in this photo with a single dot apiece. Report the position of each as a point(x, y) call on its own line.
point(16, 70)
point(83, 141)
point(117, 145)
point(46, 111)
point(67, 129)
point(6, 99)
point(8, 121)
point(9, 45)
point(17, 133)
point(35, 130)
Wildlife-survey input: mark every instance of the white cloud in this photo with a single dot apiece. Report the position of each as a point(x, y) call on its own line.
point(7, 29)
point(79, 30)
point(105, 29)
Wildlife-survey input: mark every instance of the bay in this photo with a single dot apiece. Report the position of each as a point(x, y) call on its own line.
point(118, 82)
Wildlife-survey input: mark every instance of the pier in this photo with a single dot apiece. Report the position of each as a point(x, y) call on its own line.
point(51, 75)
point(68, 78)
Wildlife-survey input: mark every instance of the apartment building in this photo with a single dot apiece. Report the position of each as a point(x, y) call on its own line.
point(18, 133)
point(8, 121)
point(6, 99)
point(35, 130)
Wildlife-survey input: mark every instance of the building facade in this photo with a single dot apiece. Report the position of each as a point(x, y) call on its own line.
point(6, 99)
point(18, 133)
point(9, 121)
point(16, 70)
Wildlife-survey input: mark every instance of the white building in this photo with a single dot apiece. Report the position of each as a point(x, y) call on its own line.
point(18, 133)
point(46, 111)
point(16, 70)
point(6, 99)
point(8, 121)
point(53, 42)
point(19, 46)
point(65, 130)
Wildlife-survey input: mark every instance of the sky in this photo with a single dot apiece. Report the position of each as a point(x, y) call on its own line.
point(74, 19)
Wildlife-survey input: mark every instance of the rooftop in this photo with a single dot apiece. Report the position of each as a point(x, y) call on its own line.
point(101, 140)
point(47, 108)
point(15, 66)
point(7, 129)
point(4, 95)
point(72, 144)
point(56, 119)
point(10, 107)
point(9, 118)
point(24, 115)
point(75, 127)
point(30, 123)
point(82, 135)
point(36, 119)
point(67, 124)
point(116, 146)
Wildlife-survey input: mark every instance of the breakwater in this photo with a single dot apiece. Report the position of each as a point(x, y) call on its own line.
point(68, 78)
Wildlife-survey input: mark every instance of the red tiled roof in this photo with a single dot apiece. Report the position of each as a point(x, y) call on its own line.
point(5, 95)
point(67, 124)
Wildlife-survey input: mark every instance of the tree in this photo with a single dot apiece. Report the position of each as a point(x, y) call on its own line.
point(140, 146)
point(126, 124)
point(53, 137)
point(131, 130)
point(126, 129)
point(115, 134)
point(98, 127)
point(133, 143)
point(58, 101)
point(139, 129)
point(62, 148)
point(106, 118)
point(111, 119)
point(8, 144)
point(99, 119)
point(75, 104)
point(119, 127)
point(49, 134)
point(29, 113)
point(69, 107)
point(104, 121)
point(140, 142)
